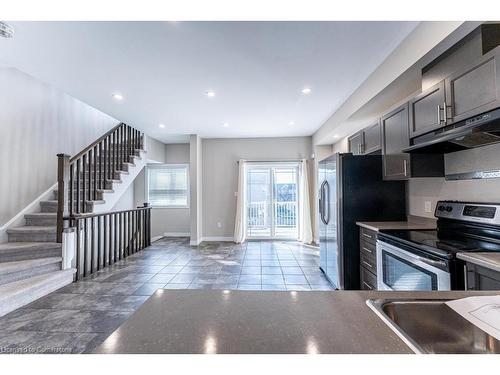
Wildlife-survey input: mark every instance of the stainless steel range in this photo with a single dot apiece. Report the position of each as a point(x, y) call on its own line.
point(426, 259)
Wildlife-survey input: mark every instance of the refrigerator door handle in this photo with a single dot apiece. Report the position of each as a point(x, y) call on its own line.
point(327, 203)
point(322, 202)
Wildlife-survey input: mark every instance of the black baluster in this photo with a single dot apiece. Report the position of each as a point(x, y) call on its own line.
point(99, 247)
point(107, 160)
point(113, 148)
point(71, 188)
point(124, 241)
point(115, 239)
point(92, 245)
point(131, 231)
point(84, 182)
point(106, 257)
point(95, 173)
point(100, 148)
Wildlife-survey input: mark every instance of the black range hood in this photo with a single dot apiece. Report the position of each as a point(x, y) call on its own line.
point(474, 132)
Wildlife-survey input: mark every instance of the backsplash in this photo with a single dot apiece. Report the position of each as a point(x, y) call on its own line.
point(422, 190)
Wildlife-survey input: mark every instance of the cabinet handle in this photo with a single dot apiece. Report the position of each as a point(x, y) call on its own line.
point(367, 264)
point(405, 167)
point(368, 250)
point(445, 110)
point(367, 235)
point(367, 285)
point(439, 114)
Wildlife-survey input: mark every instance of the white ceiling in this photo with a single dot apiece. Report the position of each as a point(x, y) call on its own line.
point(163, 70)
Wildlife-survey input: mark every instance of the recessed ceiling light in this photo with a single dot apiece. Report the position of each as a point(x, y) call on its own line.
point(210, 93)
point(335, 136)
point(117, 96)
point(226, 125)
point(161, 126)
point(306, 91)
point(291, 123)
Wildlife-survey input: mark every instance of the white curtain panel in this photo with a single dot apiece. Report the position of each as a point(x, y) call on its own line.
point(240, 229)
point(306, 233)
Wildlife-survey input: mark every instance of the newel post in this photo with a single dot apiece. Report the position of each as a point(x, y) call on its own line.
point(62, 193)
point(148, 224)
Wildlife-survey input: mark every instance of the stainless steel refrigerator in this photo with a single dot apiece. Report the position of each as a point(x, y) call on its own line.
point(351, 189)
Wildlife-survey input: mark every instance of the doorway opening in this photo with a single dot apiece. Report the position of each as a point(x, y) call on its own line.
point(272, 200)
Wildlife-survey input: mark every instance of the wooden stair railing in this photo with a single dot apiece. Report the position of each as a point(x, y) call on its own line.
point(81, 177)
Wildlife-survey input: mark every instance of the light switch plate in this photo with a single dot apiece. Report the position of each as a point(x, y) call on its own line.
point(428, 206)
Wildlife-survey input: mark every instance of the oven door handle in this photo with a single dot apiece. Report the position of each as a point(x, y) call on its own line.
point(435, 263)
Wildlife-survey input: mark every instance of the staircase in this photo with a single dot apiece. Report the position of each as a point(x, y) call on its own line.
point(31, 260)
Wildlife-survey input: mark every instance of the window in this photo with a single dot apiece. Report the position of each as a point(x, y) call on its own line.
point(168, 185)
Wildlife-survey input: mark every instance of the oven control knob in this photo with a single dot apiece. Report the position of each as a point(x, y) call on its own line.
point(449, 208)
point(441, 208)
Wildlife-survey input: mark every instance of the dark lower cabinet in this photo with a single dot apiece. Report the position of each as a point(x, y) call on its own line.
point(368, 259)
point(481, 278)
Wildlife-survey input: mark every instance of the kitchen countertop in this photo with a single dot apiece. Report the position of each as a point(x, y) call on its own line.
point(486, 260)
point(237, 321)
point(398, 225)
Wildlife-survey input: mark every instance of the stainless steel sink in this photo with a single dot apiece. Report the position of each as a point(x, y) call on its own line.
point(430, 326)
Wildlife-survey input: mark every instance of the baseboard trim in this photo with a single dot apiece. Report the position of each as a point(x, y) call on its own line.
point(156, 238)
point(216, 239)
point(176, 234)
point(33, 207)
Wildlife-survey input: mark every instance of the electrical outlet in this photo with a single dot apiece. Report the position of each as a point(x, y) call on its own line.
point(428, 206)
point(219, 224)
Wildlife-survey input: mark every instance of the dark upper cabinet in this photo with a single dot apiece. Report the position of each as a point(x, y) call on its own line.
point(372, 139)
point(398, 165)
point(395, 137)
point(427, 111)
point(474, 88)
point(365, 141)
point(356, 143)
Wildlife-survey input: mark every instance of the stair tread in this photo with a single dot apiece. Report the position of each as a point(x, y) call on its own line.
point(19, 293)
point(8, 246)
point(21, 265)
point(33, 229)
point(91, 201)
point(47, 215)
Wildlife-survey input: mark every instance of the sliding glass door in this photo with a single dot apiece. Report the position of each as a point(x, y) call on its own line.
point(272, 204)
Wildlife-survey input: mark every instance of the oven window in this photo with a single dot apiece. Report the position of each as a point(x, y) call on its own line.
point(399, 274)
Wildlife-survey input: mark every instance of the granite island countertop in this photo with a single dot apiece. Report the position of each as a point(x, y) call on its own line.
point(487, 260)
point(252, 322)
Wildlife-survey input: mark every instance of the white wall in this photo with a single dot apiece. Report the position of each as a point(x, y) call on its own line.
point(127, 200)
point(36, 123)
point(220, 174)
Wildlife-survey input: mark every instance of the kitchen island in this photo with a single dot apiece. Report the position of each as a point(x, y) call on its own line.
point(259, 322)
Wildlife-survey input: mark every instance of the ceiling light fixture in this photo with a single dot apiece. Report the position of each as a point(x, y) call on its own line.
point(291, 123)
point(6, 31)
point(161, 126)
point(335, 136)
point(210, 93)
point(306, 91)
point(226, 125)
point(117, 96)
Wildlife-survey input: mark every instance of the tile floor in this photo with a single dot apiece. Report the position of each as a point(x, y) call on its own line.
point(78, 317)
